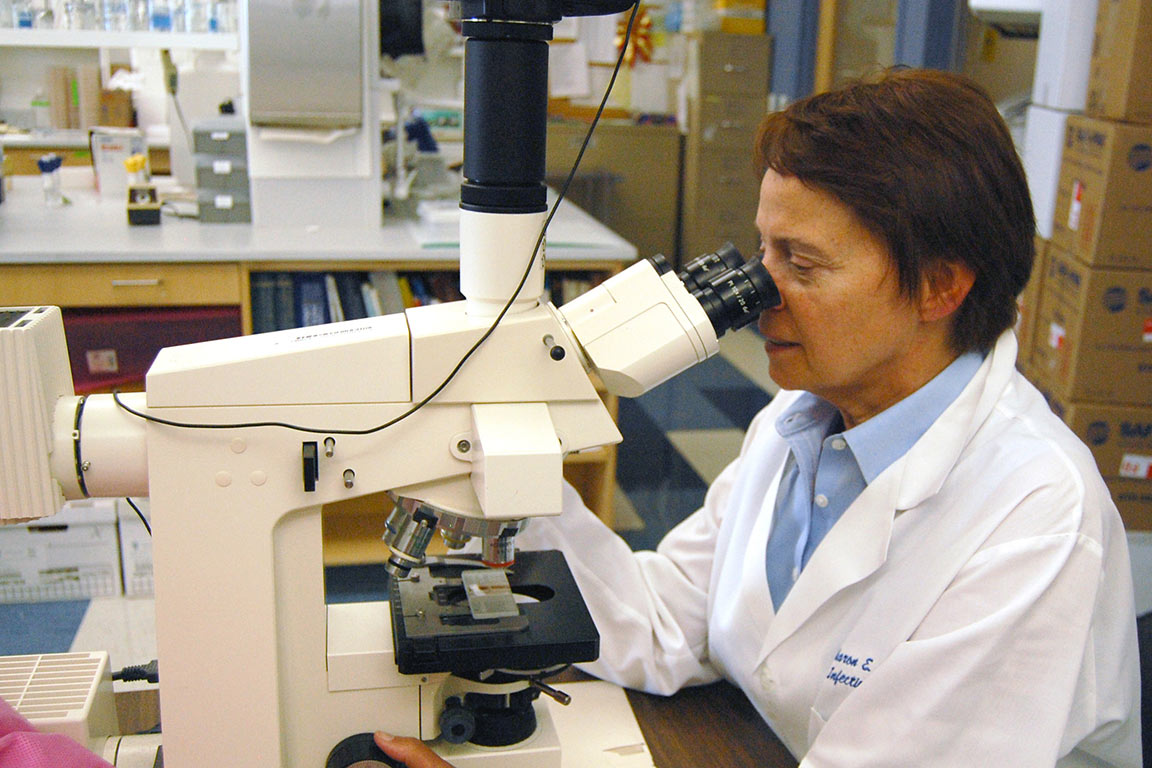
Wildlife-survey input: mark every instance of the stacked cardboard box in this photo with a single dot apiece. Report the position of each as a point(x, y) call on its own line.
point(1091, 345)
point(72, 555)
point(1059, 89)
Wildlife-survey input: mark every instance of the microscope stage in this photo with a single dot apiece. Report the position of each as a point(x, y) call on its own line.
point(435, 631)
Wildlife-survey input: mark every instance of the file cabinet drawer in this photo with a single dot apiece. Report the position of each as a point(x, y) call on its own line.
point(112, 285)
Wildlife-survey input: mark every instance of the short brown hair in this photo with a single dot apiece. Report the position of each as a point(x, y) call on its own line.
point(924, 160)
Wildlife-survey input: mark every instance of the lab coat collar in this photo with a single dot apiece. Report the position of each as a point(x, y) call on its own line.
point(939, 449)
point(857, 545)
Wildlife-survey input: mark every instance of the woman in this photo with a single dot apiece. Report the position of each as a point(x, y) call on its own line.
point(912, 562)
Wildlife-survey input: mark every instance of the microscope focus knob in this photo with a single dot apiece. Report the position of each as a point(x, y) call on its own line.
point(359, 750)
point(457, 722)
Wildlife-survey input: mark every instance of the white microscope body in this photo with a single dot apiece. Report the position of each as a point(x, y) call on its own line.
point(240, 442)
point(256, 669)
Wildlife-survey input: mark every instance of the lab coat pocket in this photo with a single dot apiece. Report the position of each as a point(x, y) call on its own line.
point(815, 724)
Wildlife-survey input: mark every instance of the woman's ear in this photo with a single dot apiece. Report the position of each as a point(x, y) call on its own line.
point(944, 288)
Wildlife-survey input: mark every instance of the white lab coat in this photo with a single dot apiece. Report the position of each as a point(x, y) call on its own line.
point(973, 607)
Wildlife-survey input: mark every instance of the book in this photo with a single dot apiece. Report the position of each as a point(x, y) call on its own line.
point(263, 288)
point(311, 299)
point(387, 285)
point(420, 290)
point(371, 299)
point(406, 293)
point(285, 297)
point(351, 299)
point(335, 308)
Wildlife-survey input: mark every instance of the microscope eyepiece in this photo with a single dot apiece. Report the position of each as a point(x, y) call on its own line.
point(733, 292)
point(698, 272)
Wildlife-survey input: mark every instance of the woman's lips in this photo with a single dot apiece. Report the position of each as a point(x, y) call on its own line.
point(772, 344)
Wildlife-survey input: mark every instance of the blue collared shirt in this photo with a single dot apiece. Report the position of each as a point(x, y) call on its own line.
point(828, 467)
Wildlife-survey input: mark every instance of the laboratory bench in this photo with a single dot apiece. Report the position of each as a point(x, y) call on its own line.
point(84, 256)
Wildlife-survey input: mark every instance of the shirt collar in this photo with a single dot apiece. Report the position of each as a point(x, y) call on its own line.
point(884, 438)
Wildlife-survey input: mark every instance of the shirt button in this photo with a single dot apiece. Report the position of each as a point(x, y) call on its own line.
point(839, 444)
point(821, 500)
point(795, 573)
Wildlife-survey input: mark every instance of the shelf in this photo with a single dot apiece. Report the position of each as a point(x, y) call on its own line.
point(91, 38)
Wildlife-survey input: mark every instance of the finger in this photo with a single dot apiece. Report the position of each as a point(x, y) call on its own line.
point(413, 752)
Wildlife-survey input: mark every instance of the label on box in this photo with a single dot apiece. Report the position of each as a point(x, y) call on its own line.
point(102, 361)
point(1136, 466)
point(221, 167)
point(220, 135)
point(223, 202)
point(1148, 330)
point(1075, 206)
point(1056, 336)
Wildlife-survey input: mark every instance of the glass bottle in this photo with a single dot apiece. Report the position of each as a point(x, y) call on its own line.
point(115, 15)
point(23, 14)
point(50, 175)
point(160, 15)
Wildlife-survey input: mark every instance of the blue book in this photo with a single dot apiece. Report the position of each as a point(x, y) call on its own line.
point(285, 301)
point(311, 299)
point(263, 286)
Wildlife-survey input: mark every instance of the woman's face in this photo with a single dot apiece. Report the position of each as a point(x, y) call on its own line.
point(843, 329)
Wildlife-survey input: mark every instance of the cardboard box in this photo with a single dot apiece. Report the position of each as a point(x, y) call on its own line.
point(1120, 75)
point(1028, 307)
point(110, 148)
point(71, 556)
point(1064, 54)
point(1120, 438)
point(1044, 130)
point(1104, 198)
point(1093, 337)
point(135, 549)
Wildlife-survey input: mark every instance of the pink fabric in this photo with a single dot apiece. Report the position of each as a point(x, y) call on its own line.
point(22, 746)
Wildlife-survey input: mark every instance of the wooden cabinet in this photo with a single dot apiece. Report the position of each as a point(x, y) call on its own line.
point(122, 285)
point(721, 186)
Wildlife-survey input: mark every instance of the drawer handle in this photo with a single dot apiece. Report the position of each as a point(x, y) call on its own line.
point(145, 282)
point(735, 68)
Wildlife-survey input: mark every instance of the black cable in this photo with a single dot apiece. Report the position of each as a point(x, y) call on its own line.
point(491, 329)
point(139, 514)
point(149, 672)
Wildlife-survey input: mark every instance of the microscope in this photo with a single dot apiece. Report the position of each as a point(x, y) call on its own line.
point(461, 412)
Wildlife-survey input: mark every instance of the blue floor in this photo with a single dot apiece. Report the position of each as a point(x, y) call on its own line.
point(662, 486)
point(39, 627)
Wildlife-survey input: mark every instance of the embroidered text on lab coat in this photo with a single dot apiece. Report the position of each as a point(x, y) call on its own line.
point(849, 670)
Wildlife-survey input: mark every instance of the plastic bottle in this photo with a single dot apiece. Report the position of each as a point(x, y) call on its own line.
point(160, 15)
point(50, 173)
point(179, 13)
point(115, 16)
point(7, 18)
point(198, 13)
point(222, 16)
point(41, 112)
point(45, 17)
point(23, 14)
point(138, 16)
